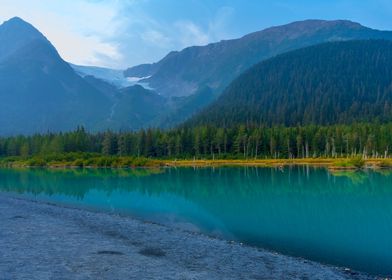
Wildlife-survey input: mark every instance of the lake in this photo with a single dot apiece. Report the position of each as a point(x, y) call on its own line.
point(342, 218)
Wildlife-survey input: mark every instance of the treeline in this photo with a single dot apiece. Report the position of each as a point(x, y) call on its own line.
point(362, 139)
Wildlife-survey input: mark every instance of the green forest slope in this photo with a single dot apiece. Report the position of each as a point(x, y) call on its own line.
point(339, 82)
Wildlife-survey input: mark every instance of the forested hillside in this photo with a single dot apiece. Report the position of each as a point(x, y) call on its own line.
point(339, 82)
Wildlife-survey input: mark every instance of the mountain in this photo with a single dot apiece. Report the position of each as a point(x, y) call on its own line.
point(39, 91)
point(216, 65)
point(15, 34)
point(337, 82)
point(189, 73)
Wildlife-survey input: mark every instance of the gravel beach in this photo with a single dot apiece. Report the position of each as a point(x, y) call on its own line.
point(43, 241)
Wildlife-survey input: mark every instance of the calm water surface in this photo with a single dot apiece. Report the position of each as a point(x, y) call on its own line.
point(342, 219)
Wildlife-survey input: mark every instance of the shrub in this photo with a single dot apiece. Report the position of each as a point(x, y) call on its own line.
point(36, 162)
point(78, 163)
point(357, 162)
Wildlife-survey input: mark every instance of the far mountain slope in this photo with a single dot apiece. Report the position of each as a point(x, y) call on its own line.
point(39, 91)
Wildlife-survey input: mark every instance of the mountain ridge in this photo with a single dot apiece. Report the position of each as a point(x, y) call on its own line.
point(15, 34)
point(256, 44)
point(41, 92)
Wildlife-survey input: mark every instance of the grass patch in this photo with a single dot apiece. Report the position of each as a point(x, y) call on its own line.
point(91, 160)
point(386, 163)
point(78, 160)
point(351, 163)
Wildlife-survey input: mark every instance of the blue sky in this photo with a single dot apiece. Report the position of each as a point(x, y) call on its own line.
point(122, 33)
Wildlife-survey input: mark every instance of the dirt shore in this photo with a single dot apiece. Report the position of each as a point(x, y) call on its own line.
point(42, 241)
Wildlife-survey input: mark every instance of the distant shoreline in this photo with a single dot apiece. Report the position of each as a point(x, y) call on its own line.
point(337, 164)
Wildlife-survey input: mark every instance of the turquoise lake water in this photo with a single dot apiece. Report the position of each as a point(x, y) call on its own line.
point(342, 219)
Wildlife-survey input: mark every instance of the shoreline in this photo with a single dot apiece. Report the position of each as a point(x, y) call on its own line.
point(66, 242)
point(333, 164)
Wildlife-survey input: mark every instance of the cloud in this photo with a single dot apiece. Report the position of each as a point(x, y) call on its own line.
point(190, 34)
point(155, 37)
point(79, 30)
point(122, 33)
point(116, 33)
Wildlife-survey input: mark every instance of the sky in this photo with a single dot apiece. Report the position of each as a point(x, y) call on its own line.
point(124, 33)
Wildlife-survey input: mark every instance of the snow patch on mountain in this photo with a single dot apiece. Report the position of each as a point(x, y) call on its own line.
point(113, 76)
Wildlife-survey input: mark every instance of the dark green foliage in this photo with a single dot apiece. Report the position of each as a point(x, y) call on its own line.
point(76, 159)
point(359, 140)
point(340, 82)
point(357, 162)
